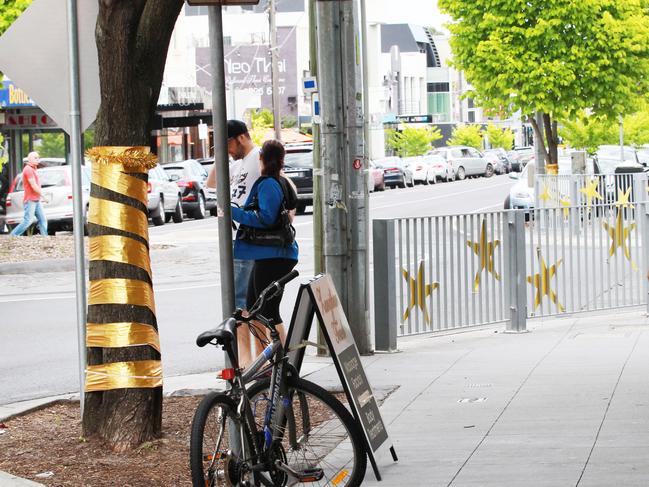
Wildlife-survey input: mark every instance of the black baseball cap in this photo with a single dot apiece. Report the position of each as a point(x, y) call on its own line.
point(236, 128)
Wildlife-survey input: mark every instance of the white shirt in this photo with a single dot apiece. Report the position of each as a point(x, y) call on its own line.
point(243, 174)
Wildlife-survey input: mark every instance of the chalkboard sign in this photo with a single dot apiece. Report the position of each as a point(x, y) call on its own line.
point(319, 297)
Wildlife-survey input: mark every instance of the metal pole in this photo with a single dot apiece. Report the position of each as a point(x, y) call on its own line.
point(357, 129)
point(76, 148)
point(335, 243)
point(318, 257)
point(345, 188)
point(385, 301)
point(219, 123)
point(274, 58)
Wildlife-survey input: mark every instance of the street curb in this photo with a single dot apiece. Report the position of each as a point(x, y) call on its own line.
point(45, 265)
point(8, 480)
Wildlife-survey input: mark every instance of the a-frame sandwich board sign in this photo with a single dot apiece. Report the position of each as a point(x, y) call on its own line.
point(319, 298)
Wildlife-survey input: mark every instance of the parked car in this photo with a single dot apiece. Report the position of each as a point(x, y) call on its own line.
point(614, 152)
point(499, 158)
point(520, 156)
point(56, 182)
point(298, 166)
point(395, 172)
point(419, 168)
point(165, 198)
point(439, 169)
point(465, 161)
point(375, 178)
point(190, 177)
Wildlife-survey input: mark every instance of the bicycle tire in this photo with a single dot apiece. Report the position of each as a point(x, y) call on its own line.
point(353, 443)
point(214, 402)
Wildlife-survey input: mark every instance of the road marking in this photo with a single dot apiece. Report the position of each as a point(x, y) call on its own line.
point(448, 195)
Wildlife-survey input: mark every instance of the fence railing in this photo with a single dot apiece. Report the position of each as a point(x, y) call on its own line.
point(451, 272)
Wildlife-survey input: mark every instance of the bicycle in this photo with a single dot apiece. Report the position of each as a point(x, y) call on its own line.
point(282, 430)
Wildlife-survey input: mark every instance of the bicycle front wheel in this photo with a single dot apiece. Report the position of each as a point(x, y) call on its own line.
point(214, 449)
point(325, 442)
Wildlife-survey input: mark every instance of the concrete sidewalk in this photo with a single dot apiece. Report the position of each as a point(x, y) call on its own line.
point(564, 405)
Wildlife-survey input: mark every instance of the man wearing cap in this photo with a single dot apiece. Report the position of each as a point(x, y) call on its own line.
point(244, 171)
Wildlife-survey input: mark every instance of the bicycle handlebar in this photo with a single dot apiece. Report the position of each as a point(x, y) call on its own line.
point(269, 293)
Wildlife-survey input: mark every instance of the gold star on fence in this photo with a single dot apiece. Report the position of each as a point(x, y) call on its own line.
point(623, 199)
point(546, 195)
point(541, 282)
point(591, 192)
point(485, 252)
point(619, 235)
point(565, 202)
point(419, 291)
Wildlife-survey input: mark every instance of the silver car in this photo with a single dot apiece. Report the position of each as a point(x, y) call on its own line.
point(56, 182)
point(465, 161)
point(165, 202)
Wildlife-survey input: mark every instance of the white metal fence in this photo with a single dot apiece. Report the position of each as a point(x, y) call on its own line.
point(450, 272)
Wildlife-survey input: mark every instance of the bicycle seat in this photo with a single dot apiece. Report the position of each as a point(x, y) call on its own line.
point(224, 334)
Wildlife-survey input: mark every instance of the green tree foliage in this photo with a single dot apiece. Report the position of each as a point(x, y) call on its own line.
point(588, 133)
point(413, 141)
point(3, 152)
point(52, 145)
point(470, 135)
point(9, 11)
point(558, 58)
point(499, 138)
point(261, 119)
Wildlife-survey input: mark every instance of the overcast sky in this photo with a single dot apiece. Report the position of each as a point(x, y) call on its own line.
point(420, 12)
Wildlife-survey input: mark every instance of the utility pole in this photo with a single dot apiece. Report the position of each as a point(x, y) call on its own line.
point(274, 59)
point(219, 123)
point(317, 163)
point(344, 185)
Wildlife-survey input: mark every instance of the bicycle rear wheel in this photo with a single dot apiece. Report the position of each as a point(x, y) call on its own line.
point(214, 441)
point(329, 442)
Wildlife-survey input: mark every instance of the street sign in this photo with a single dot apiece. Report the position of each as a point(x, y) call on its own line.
point(319, 298)
point(221, 2)
point(315, 107)
point(34, 54)
point(309, 85)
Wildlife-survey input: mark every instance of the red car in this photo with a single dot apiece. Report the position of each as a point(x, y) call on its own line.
point(375, 179)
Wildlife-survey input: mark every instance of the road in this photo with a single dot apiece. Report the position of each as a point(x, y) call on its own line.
point(38, 335)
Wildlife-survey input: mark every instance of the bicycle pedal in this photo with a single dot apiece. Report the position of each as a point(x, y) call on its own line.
point(310, 475)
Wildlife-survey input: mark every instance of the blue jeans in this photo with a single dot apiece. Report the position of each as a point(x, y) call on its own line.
point(242, 271)
point(32, 208)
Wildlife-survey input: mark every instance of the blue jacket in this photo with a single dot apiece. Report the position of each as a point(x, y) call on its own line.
point(270, 196)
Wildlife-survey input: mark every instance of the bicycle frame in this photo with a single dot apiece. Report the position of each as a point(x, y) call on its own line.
point(279, 408)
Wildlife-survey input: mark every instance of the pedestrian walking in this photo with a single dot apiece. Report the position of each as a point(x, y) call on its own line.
point(244, 172)
point(32, 194)
point(266, 236)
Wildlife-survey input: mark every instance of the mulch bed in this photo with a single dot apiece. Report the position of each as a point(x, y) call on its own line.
point(50, 440)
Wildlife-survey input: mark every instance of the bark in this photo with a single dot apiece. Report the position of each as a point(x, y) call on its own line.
point(539, 135)
point(551, 137)
point(132, 41)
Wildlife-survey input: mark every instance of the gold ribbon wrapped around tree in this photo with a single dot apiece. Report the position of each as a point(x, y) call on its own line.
point(122, 332)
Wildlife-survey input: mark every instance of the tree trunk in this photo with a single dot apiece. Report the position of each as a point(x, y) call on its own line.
point(552, 142)
point(539, 136)
point(132, 40)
